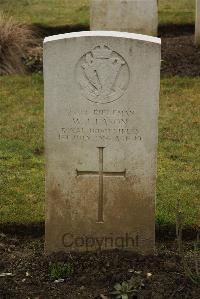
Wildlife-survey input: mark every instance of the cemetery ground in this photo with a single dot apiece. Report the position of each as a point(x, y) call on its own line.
point(22, 194)
point(93, 275)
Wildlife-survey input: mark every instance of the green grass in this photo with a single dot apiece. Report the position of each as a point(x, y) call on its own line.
point(72, 12)
point(178, 152)
point(48, 12)
point(176, 11)
point(21, 145)
point(22, 157)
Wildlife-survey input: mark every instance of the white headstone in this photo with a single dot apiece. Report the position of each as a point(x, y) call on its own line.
point(101, 111)
point(197, 23)
point(138, 16)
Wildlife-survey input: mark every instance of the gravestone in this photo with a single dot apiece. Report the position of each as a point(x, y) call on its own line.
point(101, 110)
point(138, 16)
point(197, 23)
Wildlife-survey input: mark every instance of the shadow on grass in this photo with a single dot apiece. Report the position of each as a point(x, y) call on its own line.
point(43, 31)
point(175, 29)
point(164, 232)
point(163, 30)
point(36, 229)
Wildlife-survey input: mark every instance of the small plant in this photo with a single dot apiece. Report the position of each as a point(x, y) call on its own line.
point(127, 289)
point(60, 270)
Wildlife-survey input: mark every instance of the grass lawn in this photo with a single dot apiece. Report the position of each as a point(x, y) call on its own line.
point(48, 12)
point(176, 11)
point(22, 155)
point(72, 12)
point(21, 149)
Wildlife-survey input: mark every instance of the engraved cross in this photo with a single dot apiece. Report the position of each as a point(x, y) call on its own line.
point(101, 173)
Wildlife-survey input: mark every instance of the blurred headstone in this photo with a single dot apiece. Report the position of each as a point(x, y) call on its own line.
point(138, 16)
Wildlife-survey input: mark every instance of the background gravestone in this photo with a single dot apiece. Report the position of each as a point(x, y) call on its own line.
point(101, 110)
point(138, 16)
point(197, 23)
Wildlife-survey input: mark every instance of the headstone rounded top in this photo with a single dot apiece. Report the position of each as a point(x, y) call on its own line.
point(139, 37)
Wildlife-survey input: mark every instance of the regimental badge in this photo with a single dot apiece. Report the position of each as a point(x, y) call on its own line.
point(102, 75)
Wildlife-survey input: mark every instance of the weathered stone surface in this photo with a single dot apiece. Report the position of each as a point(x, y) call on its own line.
point(101, 110)
point(138, 16)
point(197, 23)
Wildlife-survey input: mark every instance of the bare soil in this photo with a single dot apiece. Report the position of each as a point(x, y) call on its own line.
point(94, 274)
point(180, 56)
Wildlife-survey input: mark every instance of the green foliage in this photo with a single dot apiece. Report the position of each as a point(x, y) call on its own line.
point(60, 270)
point(127, 289)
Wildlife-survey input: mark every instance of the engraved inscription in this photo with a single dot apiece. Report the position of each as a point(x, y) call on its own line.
point(85, 134)
point(101, 173)
point(102, 75)
point(100, 125)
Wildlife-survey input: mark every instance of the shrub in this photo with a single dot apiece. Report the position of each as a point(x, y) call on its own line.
point(15, 40)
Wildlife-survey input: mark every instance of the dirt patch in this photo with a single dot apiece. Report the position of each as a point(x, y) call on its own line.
point(175, 30)
point(163, 30)
point(43, 31)
point(94, 274)
point(180, 56)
